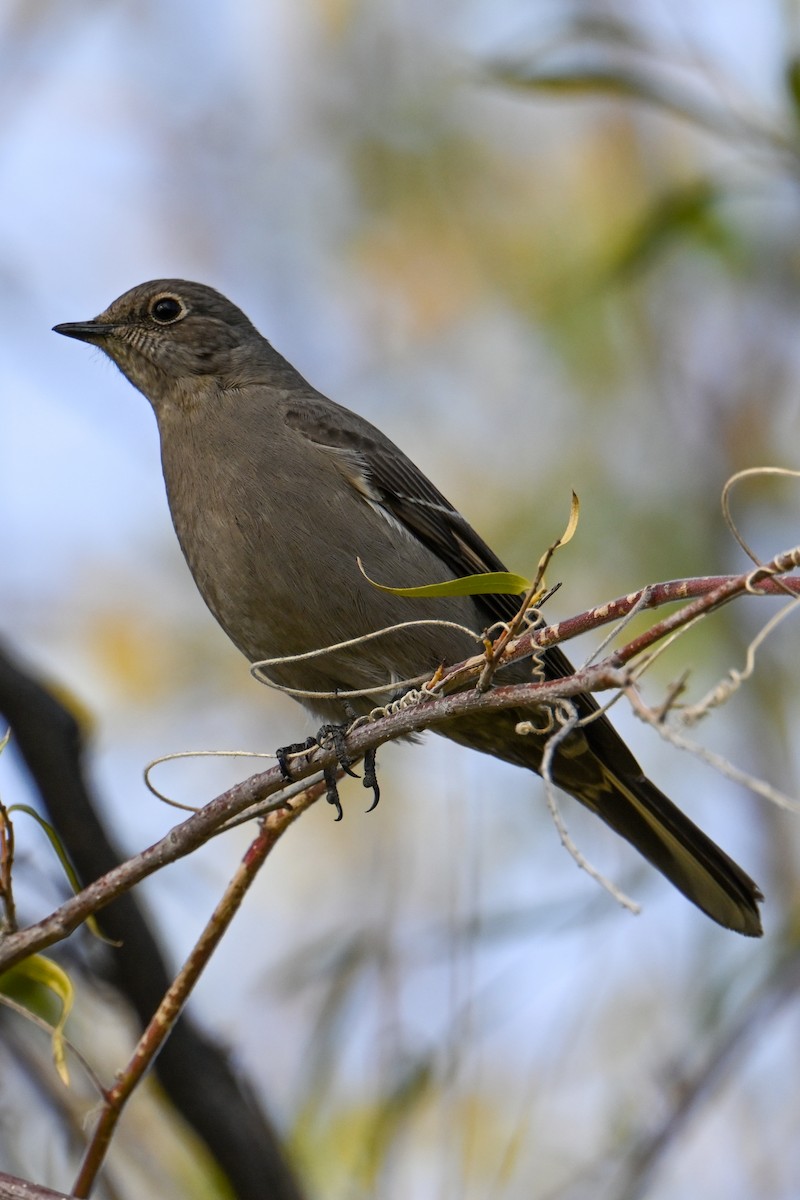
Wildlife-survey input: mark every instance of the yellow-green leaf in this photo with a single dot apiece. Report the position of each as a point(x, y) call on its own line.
point(40, 972)
point(63, 858)
point(572, 523)
point(617, 80)
point(488, 583)
point(792, 78)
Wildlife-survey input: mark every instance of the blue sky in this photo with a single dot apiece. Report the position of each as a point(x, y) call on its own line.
point(220, 143)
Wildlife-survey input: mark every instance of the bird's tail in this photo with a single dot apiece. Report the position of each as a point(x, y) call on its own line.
point(639, 812)
point(596, 767)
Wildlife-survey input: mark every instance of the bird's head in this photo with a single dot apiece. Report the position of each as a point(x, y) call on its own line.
point(170, 332)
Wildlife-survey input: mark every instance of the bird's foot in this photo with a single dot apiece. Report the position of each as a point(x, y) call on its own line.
point(283, 752)
point(339, 732)
point(333, 735)
point(370, 779)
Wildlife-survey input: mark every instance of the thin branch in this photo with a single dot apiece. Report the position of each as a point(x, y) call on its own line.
point(167, 1013)
point(710, 592)
point(12, 1188)
point(698, 1086)
point(194, 1071)
point(204, 824)
point(433, 708)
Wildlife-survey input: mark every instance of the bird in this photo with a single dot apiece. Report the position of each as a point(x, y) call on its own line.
point(276, 493)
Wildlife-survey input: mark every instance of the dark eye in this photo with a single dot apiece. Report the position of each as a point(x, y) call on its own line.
point(166, 309)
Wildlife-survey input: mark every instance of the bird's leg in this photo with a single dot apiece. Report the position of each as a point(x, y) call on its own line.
point(370, 779)
point(332, 791)
point(333, 733)
point(335, 736)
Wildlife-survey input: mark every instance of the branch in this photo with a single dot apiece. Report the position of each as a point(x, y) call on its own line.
point(12, 1188)
point(193, 1070)
point(707, 593)
point(166, 1015)
point(696, 1086)
point(431, 709)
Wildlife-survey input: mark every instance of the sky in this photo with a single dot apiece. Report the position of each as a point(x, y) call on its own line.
point(398, 224)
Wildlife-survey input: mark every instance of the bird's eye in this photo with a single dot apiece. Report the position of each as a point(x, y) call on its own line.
point(166, 309)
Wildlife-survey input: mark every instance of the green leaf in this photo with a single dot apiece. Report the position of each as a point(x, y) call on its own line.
point(488, 583)
point(593, 77)
point(24, 981)
point(63, 858)
point(793, 83)
point(688, 212)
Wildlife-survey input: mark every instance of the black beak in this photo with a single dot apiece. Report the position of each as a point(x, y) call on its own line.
point(84, 331)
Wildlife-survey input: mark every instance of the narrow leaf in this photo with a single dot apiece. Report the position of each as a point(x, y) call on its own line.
point(572, 523)
point(63, 858)
point(620, 80)
point(41, 972)
point(488, 583)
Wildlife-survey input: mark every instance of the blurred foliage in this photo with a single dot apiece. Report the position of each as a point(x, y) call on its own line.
point(44, 1120)
point(545, 247)
point(41, 986)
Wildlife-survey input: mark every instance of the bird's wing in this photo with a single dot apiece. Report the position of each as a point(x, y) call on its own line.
point(391, 482)
point(395, 487)
point(594, 764)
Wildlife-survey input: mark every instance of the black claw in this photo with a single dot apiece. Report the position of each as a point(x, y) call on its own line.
point(336, 734)
point(371, 778)
point(332, 791)
point(283, 752)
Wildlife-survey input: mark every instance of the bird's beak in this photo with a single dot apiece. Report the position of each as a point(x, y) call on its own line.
point(85, 331)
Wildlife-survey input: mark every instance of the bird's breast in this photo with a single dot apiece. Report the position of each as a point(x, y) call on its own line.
point(272, 540)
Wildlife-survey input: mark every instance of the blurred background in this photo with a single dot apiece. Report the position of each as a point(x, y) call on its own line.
point(544, 246)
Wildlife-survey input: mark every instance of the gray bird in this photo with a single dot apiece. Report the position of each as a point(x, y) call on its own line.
point(275, 491)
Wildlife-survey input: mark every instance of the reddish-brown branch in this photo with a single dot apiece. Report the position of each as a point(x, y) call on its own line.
point(430, 711)
point(163, 1020)
point(12, 1188)
point(707, 593)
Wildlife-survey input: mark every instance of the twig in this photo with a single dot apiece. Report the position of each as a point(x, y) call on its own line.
point(698, 1086)
point(12, 1188)
point(433, 708)
point(9, 921)
point(566, 715)
point(163, 1020)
